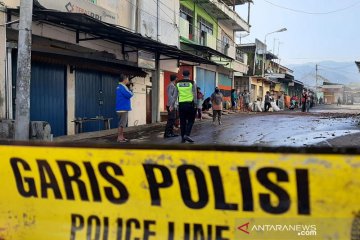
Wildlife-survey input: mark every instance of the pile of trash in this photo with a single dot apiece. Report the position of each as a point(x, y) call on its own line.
point(258, 106)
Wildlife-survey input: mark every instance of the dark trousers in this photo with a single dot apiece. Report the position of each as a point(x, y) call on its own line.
point(218, 114)
point(187, 112)
point(199, 113)
point(267, 106)
point(303, 106)
point(170, 121)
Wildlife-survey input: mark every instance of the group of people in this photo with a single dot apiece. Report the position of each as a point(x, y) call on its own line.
point(190, 101)
point(183, 95)
point(184, 98)
point(187, 99)
point(307, 101)
point(243, 99)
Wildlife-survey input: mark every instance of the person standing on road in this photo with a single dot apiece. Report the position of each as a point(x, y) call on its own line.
point(123, 105)
point(303, 100)
point(200, 101)
point(267, 101)
point(246, 100)
point(217, 104)
point(234, 99)
point(170, 107)
point(308, 101)
point(187, 105)
point(338, 101)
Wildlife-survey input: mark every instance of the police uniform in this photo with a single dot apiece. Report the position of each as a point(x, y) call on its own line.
point(187, 107)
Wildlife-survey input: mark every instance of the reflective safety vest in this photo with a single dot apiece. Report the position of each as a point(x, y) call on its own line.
point(185, 89)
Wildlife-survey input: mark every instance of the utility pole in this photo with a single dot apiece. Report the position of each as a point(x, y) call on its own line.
point(157, 19)
point(274, 46)
point(248, 19)
point(316, 83)
point(22, 111)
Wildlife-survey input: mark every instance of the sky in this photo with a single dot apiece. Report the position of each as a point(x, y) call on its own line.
point(311, 37)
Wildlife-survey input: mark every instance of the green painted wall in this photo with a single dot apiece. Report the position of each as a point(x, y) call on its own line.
point(198, 10)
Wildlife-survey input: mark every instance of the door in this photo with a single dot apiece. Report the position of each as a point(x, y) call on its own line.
point(109, 84)
point(95, 95)
point(253, 92)
point(88, 98)
point(47, 94)
point(148, 105)
point(206, 80)
point(225, 86)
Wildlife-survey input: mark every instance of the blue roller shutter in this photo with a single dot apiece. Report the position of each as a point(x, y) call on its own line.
point(48, 96)
point(206, 80)
point(109, 83)
point(95, 96)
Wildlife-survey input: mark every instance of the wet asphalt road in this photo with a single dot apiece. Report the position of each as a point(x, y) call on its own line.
point(287, 128)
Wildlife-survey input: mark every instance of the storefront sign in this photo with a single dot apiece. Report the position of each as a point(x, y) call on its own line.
point(90, 8)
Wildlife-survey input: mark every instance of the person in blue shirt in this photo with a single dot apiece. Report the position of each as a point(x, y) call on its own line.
point(123, 105)
point(234, 99)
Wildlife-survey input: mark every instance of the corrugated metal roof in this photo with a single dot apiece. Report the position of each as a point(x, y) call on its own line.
point(86, 24)
point(358, 64)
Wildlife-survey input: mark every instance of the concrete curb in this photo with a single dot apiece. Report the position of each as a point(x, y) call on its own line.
point(350, 140)
point(111, 132)
point(105, 133)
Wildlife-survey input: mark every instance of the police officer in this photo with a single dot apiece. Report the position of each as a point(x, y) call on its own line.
point(187, 105)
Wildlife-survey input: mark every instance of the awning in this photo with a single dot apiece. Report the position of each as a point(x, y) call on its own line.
point(89, 64)
point(298, 82)
point(288, 78)
point(236, 2)
point(275, 75)
point(82, 23)
point(207, 49)
point(358, 65)
point(269, 55)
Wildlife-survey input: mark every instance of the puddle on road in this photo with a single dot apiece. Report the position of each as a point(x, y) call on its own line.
point(314, 138)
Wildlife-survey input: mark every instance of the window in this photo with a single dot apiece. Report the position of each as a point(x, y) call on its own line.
point(205, 26)
point(188, 15)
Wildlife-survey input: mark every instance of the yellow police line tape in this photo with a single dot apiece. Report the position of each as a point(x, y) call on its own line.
point(93, 193)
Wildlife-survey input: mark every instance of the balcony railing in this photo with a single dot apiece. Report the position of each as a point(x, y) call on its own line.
point(225, 12)
point(240, 56)
point(226, 48)
point(222, 47)
point(196, 35)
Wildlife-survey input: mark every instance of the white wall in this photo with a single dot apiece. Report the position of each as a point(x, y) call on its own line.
point(162, 92)
point(2, 65)
point(168, 20)
point(122, 12)
point(137, 116)
point(70, 101)
point(12, 3)
point(67, 36)
point(230, 33)
point(117, 12)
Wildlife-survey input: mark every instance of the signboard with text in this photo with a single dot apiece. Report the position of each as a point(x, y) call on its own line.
point(93, 193)
point(91, 8)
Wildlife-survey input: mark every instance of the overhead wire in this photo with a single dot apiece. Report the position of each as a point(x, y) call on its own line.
point(167, 14)
point(176, 12)
point(336, 70)
point(342, 67)
point(149, 13)
point(313, 13)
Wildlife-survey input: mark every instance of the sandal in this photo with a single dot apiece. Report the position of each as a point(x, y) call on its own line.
point(123, 140)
